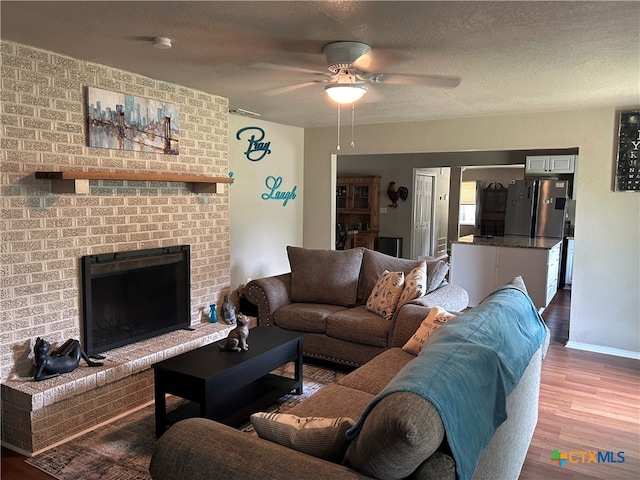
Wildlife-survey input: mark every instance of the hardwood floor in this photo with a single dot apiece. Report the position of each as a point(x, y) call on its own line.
point(589, 402)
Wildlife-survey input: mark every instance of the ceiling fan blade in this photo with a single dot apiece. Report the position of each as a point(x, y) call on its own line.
point(287, 68)
point(377, 59)
point(291, 88)
point(409, 79)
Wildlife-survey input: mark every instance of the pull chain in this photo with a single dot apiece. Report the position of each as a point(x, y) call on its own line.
point(353, 116)
point(338, 127)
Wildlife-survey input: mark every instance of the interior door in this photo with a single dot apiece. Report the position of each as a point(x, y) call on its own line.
point(422, 239)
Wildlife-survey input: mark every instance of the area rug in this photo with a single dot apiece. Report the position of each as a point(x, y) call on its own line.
point(122, 449)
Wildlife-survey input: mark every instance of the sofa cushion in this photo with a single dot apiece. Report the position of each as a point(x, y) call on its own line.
point(333, 400)
point(415, 284)
point(441, 466)
point(386, 293)
point(373, 376)
point(305, 317)
point(317, 436)
point(436, 273)
point(325, 276)
point(360, 326)
point(436, 317)
point(400, 433)
point(519, 282)
point(373, 264)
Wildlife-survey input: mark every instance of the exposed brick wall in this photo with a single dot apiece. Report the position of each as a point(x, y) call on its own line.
point(43, 235)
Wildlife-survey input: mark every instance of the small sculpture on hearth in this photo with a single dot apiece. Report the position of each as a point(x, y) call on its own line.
point(64, 359)
point(237, 339)
point(228, 311)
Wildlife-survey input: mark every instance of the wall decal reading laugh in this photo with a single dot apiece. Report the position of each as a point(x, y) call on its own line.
point(257, 149)
point(273, 185)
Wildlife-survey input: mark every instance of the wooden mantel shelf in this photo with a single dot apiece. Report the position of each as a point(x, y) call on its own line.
point(78, 182)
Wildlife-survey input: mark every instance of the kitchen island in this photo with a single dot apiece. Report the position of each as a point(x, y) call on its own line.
point(480, 264)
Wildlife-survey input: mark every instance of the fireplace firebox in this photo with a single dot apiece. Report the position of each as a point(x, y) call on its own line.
point(135, 295)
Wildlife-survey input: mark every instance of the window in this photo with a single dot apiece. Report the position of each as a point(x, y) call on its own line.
point(468, 203)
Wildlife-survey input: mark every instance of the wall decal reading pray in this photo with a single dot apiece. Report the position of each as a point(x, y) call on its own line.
point(273, 185)
point(257, 148)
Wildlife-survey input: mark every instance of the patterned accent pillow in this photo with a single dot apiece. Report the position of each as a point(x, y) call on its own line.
point(436, 317)
point(415, 284)
point(386, 293)
point(321, 437)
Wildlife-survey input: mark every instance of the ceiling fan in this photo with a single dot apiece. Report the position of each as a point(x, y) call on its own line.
point(350, 66)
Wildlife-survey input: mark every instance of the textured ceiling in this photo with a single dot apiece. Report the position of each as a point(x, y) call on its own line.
point(512, 57)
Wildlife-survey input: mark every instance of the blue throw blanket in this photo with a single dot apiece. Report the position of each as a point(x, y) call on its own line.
point(470, 366)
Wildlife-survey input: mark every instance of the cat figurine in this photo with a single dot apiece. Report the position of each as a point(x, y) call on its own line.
point(228, 311)
point(237, 339)
point(64, 359)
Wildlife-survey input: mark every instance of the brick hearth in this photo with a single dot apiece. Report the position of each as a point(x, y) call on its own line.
point(39, 415)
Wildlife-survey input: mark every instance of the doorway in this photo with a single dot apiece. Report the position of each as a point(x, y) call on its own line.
point(422, 231)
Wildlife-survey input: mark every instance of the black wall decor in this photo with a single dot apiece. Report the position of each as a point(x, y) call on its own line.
point(628, 159)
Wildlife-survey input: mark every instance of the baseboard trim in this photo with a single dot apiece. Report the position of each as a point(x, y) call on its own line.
point(617, 352)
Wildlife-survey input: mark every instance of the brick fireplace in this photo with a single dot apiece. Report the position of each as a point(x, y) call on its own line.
point(44, 234)
point(39, 415)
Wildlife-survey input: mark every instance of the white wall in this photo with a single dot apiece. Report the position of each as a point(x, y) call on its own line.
point(605, 304)
point(260, 229)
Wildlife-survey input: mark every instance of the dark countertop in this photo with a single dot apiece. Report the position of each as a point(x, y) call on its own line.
point(517, 242)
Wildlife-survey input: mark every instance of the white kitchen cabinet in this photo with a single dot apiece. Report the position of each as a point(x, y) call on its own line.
point(550, 164)
point(480, 269)
point(568, 274)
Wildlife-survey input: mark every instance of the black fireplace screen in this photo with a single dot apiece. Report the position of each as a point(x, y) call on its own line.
point(132, 296)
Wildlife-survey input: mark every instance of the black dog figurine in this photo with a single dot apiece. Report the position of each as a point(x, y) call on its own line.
point(64, 359)
point(237, 339)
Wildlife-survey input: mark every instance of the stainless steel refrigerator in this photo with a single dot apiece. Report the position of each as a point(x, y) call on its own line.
point(536, 208)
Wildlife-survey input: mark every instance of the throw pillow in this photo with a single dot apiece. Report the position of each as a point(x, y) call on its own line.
point(436, 317)
point(321, 437)
point(436, 271)
point(324, 276)
point(373, 264)
point(415, 284)
point(386, 293)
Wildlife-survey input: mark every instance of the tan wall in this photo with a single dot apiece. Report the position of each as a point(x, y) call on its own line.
point(605, 303)
point(45, 234)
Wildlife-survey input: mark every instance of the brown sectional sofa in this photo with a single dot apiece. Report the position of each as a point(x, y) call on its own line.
point(402, 434)
point(325, 295)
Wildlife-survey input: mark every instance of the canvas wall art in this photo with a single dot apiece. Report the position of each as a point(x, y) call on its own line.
point(129, 122)
point(627, 177)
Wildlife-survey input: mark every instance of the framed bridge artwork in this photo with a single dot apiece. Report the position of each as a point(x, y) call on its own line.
point(128, 122)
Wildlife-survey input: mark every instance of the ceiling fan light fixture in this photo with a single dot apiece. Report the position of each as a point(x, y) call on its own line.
point(345, 93)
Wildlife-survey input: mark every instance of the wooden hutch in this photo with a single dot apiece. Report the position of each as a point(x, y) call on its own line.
point(494, 208)
point(357, 211)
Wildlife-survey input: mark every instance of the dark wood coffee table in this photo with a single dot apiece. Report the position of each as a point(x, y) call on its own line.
point(228, 386)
